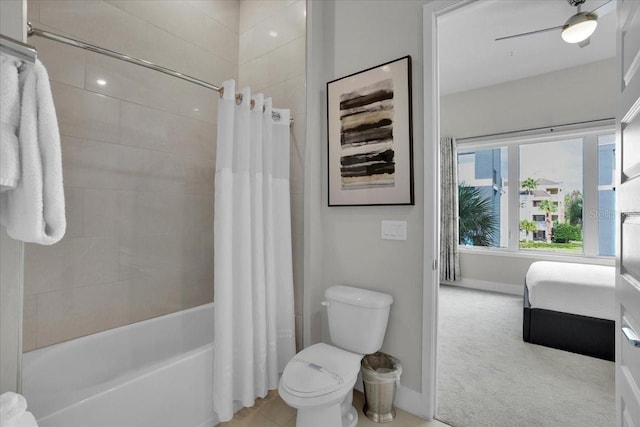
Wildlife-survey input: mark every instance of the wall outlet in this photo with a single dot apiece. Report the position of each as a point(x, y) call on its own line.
point(394, 230)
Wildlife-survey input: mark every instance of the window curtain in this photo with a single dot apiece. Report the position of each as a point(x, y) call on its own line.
point(449, 257)
point(253, 278)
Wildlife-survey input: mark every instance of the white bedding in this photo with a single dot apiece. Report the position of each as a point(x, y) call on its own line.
point(587, 290)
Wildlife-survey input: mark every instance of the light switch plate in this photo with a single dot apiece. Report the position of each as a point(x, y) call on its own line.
point(394, 230)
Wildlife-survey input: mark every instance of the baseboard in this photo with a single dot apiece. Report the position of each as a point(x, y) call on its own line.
point(406, 399)
point(505, 288)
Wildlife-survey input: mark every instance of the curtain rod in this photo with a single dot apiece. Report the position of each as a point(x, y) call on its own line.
point(544, 128)
point(17, 49)
point(33, 31)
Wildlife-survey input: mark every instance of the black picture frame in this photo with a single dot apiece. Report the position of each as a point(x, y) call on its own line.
point(370, 136)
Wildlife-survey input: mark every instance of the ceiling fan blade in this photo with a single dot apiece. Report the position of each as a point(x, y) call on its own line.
point(604, 9)
point(529, 33)
point(585, 42)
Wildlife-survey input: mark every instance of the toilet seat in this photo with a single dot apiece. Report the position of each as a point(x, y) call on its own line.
point(319, 370)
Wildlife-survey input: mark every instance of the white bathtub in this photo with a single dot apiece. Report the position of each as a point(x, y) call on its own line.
point(155, 373)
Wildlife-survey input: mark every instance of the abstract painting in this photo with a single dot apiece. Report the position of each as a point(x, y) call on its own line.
point(370, 138)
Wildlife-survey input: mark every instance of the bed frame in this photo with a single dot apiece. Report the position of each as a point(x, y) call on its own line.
point(570, 332)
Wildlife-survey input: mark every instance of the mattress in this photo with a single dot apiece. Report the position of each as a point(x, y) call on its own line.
point(587, 290)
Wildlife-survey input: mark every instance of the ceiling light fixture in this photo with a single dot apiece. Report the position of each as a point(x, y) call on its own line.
point(579, 27)
point(273, 33)
point(101, 82)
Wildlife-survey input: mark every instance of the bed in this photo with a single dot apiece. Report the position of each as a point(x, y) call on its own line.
point(571, 307)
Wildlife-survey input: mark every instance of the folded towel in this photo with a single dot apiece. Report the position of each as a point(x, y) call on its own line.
point(34, 210)
point(13, 411)
point(9, 121)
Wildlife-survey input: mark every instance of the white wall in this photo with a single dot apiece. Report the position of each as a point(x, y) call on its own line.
point(567, 96)
point(342, 244)
point(12, 17)
point(11, 265)
point(572, 95)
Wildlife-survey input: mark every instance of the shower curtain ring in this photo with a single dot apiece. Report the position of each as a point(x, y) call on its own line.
point(221, 92)
point(252, 103)
point(238, 98)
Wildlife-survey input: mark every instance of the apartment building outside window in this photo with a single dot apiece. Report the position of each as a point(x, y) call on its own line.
point(563, 200)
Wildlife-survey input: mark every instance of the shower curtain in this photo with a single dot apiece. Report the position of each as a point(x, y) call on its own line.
point(253, 278)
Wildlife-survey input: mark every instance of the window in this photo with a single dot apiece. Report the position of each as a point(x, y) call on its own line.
point(538, 203)
point(483, 199)
point(606, 195)
point(550, 178)
point(543, 211)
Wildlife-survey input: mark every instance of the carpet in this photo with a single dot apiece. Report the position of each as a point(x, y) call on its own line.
point(488, 376)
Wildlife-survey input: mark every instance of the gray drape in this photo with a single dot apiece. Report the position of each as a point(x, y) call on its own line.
point(449, 259)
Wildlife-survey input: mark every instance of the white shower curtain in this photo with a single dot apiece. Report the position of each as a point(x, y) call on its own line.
point(253, 278)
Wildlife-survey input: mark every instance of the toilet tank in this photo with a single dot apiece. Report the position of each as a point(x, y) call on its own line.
point(357, 318)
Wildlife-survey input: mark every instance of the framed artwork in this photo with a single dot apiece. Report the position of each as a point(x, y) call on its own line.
point(370, 136)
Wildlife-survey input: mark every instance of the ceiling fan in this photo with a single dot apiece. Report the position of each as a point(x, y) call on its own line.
point(578, 28)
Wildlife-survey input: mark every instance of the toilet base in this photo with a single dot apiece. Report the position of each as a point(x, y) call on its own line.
point(327, 416)
point(350, 419)
point(348, 411)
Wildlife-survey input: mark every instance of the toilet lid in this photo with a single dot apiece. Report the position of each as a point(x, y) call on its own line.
point(320, 369)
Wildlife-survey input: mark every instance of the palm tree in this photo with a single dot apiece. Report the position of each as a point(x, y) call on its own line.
point(529, 185)
point(573, 208)
point(548, 207)
point(478, 225)
point(528, 227)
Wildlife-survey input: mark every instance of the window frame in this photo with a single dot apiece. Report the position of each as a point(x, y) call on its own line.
point(590, 186)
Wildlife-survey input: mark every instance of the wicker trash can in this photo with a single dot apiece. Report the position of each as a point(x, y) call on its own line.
point(381, 375)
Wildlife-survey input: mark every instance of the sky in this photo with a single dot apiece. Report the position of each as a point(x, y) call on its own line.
point(559, 161)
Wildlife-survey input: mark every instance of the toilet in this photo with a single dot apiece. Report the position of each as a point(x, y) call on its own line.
point(319, 380)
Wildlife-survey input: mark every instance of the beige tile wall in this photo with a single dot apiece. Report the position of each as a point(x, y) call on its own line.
point(138, 159)
point(139, 154)
point(272, 61)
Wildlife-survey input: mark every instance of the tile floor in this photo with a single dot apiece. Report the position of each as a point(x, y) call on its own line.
point(273, 412)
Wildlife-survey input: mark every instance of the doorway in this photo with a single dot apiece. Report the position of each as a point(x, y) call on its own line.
point(485, 270)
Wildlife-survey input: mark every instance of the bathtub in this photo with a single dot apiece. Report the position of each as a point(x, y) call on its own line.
point(155, 373)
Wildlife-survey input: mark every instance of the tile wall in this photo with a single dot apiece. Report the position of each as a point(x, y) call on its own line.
point(138, 157)
point(272, 61)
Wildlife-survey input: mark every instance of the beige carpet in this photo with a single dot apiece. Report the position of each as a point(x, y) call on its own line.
point(489, 377)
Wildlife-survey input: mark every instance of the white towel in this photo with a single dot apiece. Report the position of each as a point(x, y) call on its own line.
point(9, 121)
point(34, 210)
point(13, 411)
